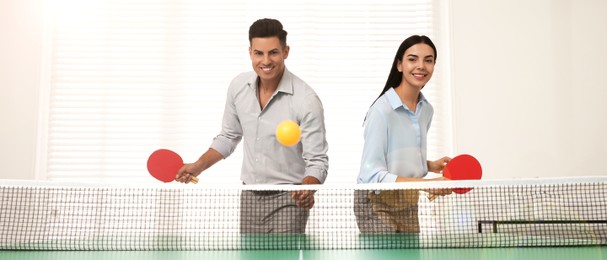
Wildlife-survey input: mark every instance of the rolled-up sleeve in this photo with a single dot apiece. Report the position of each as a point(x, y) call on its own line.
point(313, 139)
point(231, 130)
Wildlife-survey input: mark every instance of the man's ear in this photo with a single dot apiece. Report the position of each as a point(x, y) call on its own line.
point(286, 51)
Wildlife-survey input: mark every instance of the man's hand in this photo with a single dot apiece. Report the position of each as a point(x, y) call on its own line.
point(205, 161)
point(305, 198)
point(187, 171)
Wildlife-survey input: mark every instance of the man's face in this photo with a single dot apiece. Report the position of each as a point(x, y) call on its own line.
point(268, 58)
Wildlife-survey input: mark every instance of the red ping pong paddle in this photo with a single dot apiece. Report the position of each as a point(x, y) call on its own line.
point(462, 167)
point(163, 164)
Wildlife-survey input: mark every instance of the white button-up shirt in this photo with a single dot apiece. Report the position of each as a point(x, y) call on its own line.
point(266, 161)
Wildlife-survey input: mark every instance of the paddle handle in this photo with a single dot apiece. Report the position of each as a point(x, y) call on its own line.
point(194, 179)
point(431, 197)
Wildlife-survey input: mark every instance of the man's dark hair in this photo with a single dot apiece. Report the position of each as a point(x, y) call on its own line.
point(267, 27)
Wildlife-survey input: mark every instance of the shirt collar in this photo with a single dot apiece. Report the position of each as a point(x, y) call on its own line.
point(285, 85)
point(395, 101)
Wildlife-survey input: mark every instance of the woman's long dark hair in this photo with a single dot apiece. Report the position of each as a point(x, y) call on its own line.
point(395, 77)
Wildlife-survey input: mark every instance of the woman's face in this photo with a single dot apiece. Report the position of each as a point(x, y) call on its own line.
point(417, 65)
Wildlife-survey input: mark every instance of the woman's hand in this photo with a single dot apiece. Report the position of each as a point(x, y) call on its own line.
point(438, 165)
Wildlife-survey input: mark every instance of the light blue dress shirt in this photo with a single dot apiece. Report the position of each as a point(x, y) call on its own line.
point(395, 140)
point(265, 160)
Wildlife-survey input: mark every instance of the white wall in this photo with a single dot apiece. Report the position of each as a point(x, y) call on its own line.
point(527, 78)
point(20, 63)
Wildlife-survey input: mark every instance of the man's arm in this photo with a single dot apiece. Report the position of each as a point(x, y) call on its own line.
point(223, 145)
point(206, 160)
point(314, 140)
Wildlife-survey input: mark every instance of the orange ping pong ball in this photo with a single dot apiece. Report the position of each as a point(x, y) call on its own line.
point(288, 133)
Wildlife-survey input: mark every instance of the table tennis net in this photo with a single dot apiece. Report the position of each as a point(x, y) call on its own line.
point(523, 213)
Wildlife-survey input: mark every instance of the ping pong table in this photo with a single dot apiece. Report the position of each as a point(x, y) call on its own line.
point(277, 246)
point(532, 253)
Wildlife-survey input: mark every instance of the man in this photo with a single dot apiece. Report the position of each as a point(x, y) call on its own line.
point(256, 103)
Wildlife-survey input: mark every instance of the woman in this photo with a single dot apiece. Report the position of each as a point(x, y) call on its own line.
point(396, 128)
